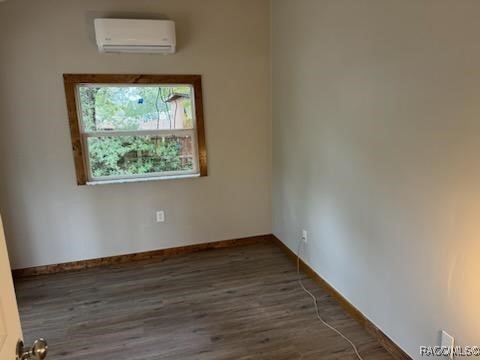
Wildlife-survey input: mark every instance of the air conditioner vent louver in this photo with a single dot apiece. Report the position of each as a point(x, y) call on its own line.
point(152, 49)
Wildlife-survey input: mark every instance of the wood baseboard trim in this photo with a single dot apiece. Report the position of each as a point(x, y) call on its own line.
point(122, 259)
point(383, 339)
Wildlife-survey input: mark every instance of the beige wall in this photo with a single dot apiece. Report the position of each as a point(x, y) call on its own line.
point(376, 144)
point(48, 219)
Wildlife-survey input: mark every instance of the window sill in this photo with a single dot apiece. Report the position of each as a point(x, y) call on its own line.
point(145, 179)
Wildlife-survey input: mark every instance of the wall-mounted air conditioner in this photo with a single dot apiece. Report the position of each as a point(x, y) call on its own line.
point(135, 36)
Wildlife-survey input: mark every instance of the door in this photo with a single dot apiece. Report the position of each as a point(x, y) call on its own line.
point(10, 329)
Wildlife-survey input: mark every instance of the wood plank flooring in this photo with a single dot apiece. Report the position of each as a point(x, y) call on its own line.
point(238, 303)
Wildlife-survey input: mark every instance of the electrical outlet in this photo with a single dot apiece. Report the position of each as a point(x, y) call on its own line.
point(160, 216)
point(447, 342)
point(305, 236)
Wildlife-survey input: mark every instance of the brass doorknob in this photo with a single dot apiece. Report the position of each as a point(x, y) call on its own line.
point(38, 351)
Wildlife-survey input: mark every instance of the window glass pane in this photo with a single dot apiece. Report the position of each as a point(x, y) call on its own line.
point(152, 107)
point(137, 155)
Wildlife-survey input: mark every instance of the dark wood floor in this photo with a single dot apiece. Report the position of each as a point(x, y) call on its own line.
point(238, 303)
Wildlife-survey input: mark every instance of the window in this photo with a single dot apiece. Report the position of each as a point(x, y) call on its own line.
point(136, 127)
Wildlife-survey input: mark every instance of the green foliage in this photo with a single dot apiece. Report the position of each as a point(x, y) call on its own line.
point(126, 155)
point(127, 108)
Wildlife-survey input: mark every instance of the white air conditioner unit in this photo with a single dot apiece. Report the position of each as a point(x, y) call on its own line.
point(135, 36)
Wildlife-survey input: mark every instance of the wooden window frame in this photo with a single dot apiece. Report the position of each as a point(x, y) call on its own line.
point(71, 82)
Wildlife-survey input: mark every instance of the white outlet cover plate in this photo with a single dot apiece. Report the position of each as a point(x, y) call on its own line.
point(447, 341)
point(160, 216)
point(305, 236)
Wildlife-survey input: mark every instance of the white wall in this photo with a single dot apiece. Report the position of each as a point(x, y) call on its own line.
point(376, 144)
point(48, 218)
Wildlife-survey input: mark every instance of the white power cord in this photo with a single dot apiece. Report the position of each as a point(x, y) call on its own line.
point(315, 302)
